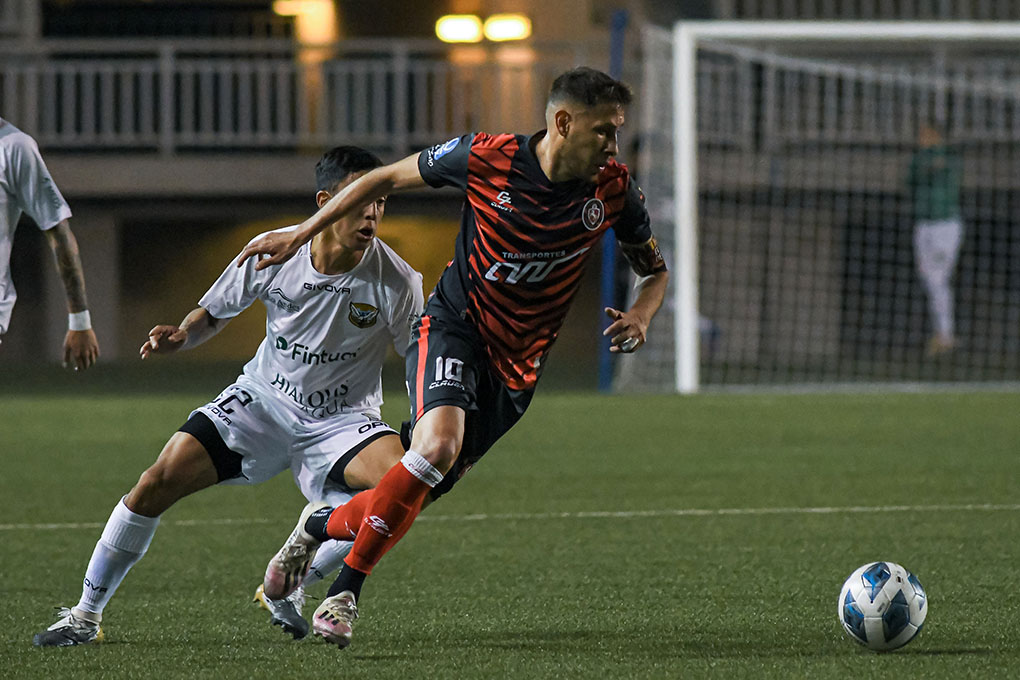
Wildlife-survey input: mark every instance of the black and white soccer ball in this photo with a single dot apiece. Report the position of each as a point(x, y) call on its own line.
point(882, 606)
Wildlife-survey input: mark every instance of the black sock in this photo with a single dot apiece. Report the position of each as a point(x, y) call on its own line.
point(316, 524)
point(348, 579)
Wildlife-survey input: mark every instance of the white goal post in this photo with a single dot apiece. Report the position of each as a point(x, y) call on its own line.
point(804, 130)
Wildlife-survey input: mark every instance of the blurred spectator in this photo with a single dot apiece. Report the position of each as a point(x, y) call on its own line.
point(934, 183)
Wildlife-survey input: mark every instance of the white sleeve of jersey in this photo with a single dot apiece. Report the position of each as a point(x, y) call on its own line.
point(236, 288)
point(30, 182)
point(406, 312)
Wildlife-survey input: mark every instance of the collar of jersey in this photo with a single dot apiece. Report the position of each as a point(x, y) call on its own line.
point(307, 257)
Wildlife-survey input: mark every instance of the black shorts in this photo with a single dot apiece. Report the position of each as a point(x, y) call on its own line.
point(447, 366)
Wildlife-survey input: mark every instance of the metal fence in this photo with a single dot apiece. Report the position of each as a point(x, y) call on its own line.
point(181, 95)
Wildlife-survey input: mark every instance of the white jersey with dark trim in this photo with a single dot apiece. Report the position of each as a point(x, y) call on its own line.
point(326, 336)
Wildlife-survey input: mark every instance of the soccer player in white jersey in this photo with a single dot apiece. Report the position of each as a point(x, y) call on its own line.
point(27, 187)
point(309, 400)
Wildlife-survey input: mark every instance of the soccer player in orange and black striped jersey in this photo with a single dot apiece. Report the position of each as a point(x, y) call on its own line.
point(535, 208)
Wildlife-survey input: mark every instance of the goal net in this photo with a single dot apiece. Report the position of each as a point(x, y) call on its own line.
point(840, 203)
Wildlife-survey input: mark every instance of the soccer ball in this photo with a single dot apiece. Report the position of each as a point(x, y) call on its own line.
point(882, 606)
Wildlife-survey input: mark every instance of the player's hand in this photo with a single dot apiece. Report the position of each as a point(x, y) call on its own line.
point(81, 349)
point(164, 339)
point(274, 248)
point(627, 330)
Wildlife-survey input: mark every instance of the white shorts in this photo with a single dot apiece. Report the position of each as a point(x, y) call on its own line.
point(937, 246)
point(269, 438)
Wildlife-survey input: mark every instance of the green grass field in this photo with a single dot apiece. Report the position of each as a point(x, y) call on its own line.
point(605, 537)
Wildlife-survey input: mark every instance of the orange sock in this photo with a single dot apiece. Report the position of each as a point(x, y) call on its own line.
point(390, 511)
point(343, 523)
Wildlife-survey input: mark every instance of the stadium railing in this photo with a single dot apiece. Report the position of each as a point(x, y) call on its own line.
point(170, 96)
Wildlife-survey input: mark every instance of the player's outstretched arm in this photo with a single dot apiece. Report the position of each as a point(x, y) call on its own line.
point(279, 247)
point(81, 349)
point(197, 327)
point(629, 329)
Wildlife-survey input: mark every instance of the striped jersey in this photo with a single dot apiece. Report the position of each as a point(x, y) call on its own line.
point(523, 243)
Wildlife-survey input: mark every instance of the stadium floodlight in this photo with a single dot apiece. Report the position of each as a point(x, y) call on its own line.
point(459, 28)
point(314, 20)
point(503, 27)
point(777, 159)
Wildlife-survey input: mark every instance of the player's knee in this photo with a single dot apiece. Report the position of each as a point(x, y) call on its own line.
point(155, 491)
point(441, 451)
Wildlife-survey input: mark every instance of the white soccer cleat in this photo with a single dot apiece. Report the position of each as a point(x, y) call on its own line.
point(289, 565)
point(285, 613)
point(69, 630)
point(334, 619)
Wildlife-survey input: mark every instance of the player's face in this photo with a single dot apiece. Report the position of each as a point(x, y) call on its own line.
point(356, 231)
point(592, 140)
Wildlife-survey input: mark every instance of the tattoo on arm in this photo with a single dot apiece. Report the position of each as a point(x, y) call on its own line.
point(644, 258)
point(68, 261)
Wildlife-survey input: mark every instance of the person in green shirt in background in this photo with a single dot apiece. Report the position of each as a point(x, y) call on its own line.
point(934, 181)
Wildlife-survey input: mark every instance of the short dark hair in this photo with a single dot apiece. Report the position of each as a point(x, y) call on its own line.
point(340, 162)
point(589, 87)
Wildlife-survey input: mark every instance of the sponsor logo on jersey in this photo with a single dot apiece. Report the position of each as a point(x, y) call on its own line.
point(309, 357)
point(529, 272)
point(440, 150)
point(593, 214)
point(502, 202)
point(300, 352)
point(278, 298)
point(328, 287)
point(319, 403)
point(363, 314)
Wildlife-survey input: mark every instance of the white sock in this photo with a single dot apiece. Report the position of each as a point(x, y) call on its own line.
point(125, 539)
point(329, 558)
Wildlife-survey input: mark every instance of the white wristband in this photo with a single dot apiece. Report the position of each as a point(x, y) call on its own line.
point(79, 321)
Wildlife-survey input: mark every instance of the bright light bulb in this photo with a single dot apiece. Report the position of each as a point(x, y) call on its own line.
point(500, 27)
point(314, 20)
point(459, 28)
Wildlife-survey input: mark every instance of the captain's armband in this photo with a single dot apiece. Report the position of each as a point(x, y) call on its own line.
point(644, 258)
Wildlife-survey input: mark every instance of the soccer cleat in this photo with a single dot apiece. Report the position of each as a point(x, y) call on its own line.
point(285, 613)
point(69, 630)
point(289, 565)
point(334, 619)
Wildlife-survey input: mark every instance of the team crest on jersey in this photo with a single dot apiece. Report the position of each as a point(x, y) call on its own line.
point(593, 214)
point(363, 314)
